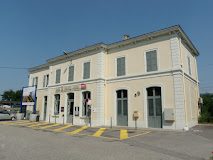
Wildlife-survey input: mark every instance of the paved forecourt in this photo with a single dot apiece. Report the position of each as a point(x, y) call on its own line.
point(73, 130)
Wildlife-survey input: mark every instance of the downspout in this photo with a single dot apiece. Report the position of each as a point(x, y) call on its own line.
point(184, 90)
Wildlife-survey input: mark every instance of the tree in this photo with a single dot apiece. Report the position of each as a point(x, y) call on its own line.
point(207, 108)
point(11, 95)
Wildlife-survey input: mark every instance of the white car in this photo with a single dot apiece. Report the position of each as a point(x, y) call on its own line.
point(5, 115)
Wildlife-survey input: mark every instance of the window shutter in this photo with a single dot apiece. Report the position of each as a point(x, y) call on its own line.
point(36, 81)
point(58, 75)
point(148, 62)
point(44, 79)
point(121, 69)
point(33, 82)
point(71, 73)
point(86, 74)
point(189, 66)
point(151, 61)
point(47, 80)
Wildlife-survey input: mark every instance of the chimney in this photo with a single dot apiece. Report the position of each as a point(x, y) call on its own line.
point(125, 37)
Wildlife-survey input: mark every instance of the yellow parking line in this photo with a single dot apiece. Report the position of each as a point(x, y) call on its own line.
point(39, 124)
point(10, 122)
point(144, 133)
point(123, 134)
point(99, 132)
point(6, 122)
point(49, 126)
point(62, 128)
point(77, 130)
point(26, 123)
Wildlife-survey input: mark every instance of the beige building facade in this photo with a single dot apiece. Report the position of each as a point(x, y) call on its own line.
point(151, 78)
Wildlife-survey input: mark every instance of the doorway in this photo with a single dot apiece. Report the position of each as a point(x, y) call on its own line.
point(122, 108)
point(70, 107)
point(45, 108)
point(154, 107)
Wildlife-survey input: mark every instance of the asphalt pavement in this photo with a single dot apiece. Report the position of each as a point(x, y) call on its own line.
point(25, 143)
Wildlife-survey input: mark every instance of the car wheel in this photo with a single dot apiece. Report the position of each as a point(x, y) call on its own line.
point(13, 118)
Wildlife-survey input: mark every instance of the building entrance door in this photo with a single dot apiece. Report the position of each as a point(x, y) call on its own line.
point(122, 108)
point(154, 107)
point(70, 107)
point(45, 107)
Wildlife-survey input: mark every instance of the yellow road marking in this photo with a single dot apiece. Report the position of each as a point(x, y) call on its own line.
point(3, 122)
point(62, 128)
point(99, 132)
point(147, 132)
point(10, 122)
point(39, 124)
point(77, 130)
point(49, 126)
point(123, 134)
point(26, 123)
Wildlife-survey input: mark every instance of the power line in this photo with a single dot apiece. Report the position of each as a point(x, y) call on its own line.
point(13, 68)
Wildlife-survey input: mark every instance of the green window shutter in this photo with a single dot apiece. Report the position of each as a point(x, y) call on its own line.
point(86, 74)
point(36, 81)
point(121, 66)
point(71, 73)
point(33, 82)
point(151, 61)
point(189, 65)
point(47, 80)
point(44, 79)
point(58, 76)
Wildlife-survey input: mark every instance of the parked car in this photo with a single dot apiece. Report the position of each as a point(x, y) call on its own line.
point(5, 115)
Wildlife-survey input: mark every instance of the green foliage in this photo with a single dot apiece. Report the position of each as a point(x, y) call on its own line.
point(207, 109)
point(11, 95)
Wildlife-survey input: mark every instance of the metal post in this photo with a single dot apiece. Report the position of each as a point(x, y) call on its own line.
point(49, 118)
point(55, 119)
point(90, 121)
point(111, 122)
point(135, 123)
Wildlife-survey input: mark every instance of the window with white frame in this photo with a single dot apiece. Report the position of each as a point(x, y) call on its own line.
point(58, 76)
point(86, 71)
point(71, 73)
point(45, 80)
point(151, 61)
point(121, 66)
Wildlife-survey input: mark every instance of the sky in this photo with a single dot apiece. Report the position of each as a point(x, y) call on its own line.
point(32, 31)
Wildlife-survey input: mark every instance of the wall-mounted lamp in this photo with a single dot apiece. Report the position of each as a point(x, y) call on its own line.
point(137, 94)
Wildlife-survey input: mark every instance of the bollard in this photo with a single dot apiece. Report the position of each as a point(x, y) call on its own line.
point(110, 122)
point(63, 118)
point(135, 124)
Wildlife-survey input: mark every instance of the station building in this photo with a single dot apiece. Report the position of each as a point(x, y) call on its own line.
point(152, 77)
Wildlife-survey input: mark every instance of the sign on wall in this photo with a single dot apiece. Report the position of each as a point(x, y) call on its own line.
point(29, 96)
point(70, 88)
